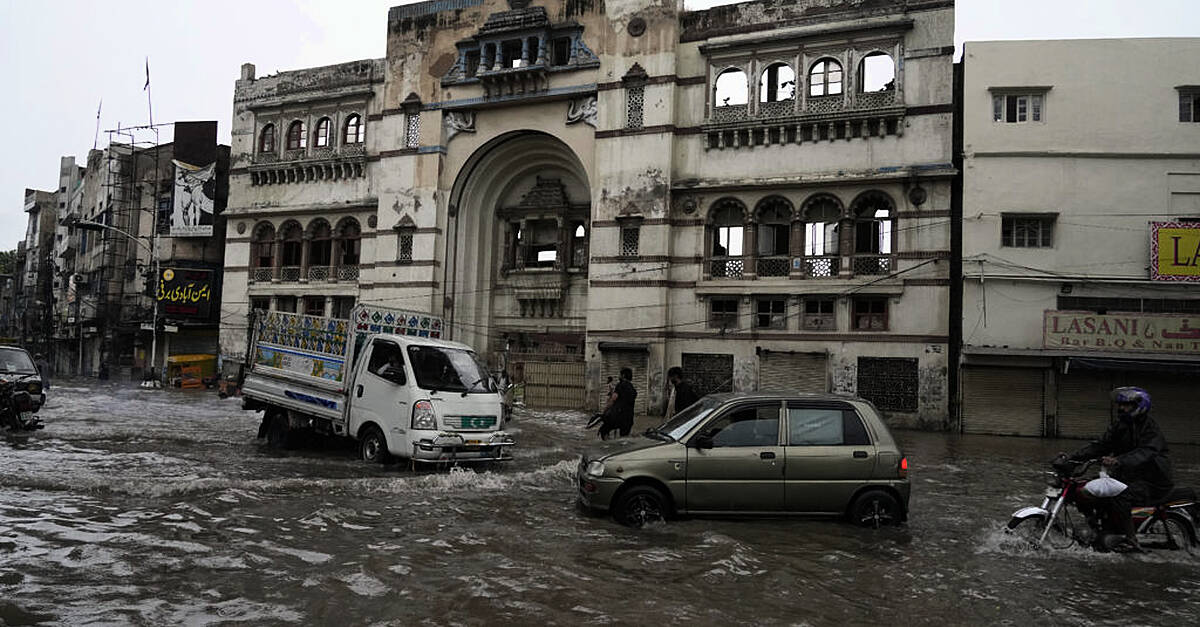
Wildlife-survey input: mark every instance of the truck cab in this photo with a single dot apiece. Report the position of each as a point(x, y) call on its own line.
point(425, 400)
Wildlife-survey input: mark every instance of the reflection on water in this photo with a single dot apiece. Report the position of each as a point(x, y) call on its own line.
point(159, 507)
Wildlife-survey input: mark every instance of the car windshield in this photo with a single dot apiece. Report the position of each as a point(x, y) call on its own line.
point(449, 370)
point(16, 361)
point(683, 422)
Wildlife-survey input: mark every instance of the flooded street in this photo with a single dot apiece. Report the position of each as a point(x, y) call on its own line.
point(153, 507)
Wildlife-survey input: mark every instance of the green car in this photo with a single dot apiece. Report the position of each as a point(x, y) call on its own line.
point(759, 453)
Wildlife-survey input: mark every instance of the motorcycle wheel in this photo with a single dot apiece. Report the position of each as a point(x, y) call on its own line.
point(1173, 533)
point(1030, 530)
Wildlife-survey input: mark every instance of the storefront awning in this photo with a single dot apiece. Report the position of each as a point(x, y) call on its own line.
point(1135, 365)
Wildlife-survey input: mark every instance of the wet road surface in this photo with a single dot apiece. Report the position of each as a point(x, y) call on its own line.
point(159, 507)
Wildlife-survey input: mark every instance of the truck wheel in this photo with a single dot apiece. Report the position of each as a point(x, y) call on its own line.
point(279, 433)
point(373, 446)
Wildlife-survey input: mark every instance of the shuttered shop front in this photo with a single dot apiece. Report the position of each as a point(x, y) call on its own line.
point(1085, 402)
point(793, 372)
point(1003, 401)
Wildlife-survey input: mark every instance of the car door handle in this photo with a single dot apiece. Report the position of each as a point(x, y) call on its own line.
point(766, 455)
point(358, 391)
point(860, 454)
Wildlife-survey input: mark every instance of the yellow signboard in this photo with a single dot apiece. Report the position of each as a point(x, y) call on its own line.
point(1175, 251)
point(1122, 332)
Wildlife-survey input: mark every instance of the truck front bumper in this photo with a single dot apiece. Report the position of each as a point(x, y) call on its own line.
point(464, 447)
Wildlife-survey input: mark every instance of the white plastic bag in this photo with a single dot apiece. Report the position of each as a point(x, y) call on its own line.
point(1104, 486)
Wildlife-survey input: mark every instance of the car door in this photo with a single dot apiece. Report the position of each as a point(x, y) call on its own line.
point(379, 394)
point(743, 471)
point(829, 456)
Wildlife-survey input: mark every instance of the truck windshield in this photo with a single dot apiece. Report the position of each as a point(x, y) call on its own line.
point(449, 370)
point(16, 361)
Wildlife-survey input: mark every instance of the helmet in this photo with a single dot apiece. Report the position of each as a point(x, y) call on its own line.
point(1139, 398)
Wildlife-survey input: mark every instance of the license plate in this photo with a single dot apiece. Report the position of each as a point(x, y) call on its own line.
point(474, 442)
point(1053, 492)
point(26, 416)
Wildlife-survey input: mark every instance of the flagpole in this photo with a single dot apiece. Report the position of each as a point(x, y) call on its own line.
point(149, 106)
point(96, 136)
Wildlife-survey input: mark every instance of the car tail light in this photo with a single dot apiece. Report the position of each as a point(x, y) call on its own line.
point(903, 468)
point(423, 416)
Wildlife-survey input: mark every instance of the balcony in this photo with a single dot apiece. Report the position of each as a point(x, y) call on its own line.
point(773, 266)
point(304, 166)
point(807, 120)
point(822, 267)
point(726, 267)
point(873, 264)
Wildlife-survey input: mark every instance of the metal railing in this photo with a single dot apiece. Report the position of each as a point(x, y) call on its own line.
point(873, 264)
point(726, 267)
point(347, 273)
point(823, 267)
point(289, 274)
point(773, 266)
point(262, 275)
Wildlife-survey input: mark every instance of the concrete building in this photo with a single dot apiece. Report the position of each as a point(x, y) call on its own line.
point(33, 296)
point(122, 224)
point(758, 192)
point(1081, 233)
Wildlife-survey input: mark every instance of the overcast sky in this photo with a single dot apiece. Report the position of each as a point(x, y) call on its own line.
point(58, 59)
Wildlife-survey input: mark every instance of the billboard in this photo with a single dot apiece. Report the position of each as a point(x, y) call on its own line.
point(185, 292)
point(195, 196)
point(1175, 251)
point(1122, 332)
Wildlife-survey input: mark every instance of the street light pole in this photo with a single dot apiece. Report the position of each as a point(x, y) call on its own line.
point(152, 248)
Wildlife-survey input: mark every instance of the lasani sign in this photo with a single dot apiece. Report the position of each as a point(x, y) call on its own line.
point(1175, 251)
point(1121, 332)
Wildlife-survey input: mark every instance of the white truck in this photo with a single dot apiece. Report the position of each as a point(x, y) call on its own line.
point(383, 377)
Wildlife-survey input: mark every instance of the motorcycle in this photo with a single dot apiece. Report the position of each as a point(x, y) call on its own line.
point(1169, 524)
point(17, 407)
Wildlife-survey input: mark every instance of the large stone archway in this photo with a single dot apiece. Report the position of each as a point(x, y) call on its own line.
point(516, 277)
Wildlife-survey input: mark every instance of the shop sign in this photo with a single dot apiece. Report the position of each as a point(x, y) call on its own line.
point(185, 292)
point(1122, 332)
point(1175, 251)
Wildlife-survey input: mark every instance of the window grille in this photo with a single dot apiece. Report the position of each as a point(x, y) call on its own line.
point(818, 315)
point(891, 383)
point(870, 314)
point(412, 137)
point(771, 313)
point(723, 313)
point(404, 252)
point(629, 241)
point(635, 100)
point(1027, 231)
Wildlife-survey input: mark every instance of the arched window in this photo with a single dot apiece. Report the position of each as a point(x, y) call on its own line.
point(873, 214)
point(821, 214)
point(731, 89)
point(727, 224)
point(825, 78)
point(349, 238)
point(777, 83)
point(262, 252)
point(321, 136)
point(266, 139)
point(354, 129)
point(579, 246)
point(774, 236)
point(877, 72)
point(296, 136)
point(291, 251)
point(320, 244)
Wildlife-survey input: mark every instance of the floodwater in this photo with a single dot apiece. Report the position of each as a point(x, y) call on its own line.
point(159, 507)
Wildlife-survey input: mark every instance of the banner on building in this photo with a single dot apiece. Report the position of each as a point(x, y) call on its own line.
point(1122, 332)
point(195, 195)
point(1175, 251)
point(185, 292)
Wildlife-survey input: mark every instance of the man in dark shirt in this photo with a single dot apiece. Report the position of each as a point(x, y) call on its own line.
point(619, 413)
point(1135, 452)
point(685, 394)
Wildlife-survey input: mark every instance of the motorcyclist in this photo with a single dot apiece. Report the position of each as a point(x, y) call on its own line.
point(1135, 452)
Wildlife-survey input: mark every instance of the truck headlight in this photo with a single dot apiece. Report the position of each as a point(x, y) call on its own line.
point(423, 416)
point(595, 469)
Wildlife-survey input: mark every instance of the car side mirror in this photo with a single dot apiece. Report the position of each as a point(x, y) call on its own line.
point(702, 441)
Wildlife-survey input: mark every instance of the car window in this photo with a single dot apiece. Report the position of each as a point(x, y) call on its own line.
point(15, 360)
point(387, 360)
point(823, 426)
point(679, 425)
point(749, 426)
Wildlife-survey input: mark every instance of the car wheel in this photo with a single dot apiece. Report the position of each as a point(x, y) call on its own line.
point(373, 446)
point(641, 505)
point(279, 433)
point(875, 508)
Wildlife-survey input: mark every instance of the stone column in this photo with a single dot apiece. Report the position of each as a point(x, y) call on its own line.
point(305, 245)
point(524, 52)
point(796, 247)
point(846, 247)
point(750, 250)
point(277, 259)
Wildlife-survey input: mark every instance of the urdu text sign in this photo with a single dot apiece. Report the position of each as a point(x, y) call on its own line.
point(1175, 251)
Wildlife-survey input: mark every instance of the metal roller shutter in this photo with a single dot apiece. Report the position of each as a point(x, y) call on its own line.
point(614, 360)
point(1004, 401)
point(1084, 408)
point(1175, 406)
point(793, 372)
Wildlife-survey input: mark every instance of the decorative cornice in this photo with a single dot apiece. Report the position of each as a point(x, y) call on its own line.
point(627, 132)
point(717, 334)
point(283, 211)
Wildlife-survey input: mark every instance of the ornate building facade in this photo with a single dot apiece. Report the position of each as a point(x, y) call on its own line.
point(758, 192)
